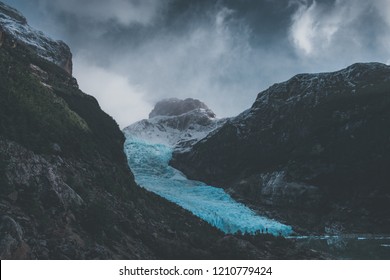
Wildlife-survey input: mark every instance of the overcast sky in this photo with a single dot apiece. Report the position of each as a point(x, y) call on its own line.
point(130, 54)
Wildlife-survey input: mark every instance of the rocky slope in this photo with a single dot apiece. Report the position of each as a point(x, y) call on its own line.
point(66, 191)
point(312, 151)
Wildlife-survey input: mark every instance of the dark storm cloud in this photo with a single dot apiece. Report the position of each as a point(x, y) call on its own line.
point(131, 53)
point(122, 12)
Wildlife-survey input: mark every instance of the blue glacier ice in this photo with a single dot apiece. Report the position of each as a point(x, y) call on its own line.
point(149, 163)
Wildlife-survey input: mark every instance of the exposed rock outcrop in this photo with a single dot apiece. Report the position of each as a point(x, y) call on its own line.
point(12, 244)
point(2, 36)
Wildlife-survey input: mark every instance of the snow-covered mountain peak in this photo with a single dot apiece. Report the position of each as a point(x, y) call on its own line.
point(176, 123)
point(15, 30)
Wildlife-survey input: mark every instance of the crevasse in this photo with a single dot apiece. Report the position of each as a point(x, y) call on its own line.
point(149, 163)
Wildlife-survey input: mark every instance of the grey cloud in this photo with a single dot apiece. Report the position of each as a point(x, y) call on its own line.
point(129, 54)
point(206, 62)
point(347, 29)
point(123, 12)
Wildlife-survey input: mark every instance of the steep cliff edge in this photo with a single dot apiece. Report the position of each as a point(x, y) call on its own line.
point(312, 151)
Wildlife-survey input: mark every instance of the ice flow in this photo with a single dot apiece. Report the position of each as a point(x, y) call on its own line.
point(149, 163)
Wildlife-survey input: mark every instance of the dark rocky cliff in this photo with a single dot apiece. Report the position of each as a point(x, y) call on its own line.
point(313, 151)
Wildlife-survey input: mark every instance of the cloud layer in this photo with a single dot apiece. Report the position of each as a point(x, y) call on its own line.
point(341, 28)
point(132, 53)
point(123, 12)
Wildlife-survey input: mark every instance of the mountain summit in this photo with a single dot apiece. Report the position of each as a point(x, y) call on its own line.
point(176, 107)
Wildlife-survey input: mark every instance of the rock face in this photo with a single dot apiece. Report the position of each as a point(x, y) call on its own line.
point(2, 36)
point(16, 30)
point(312, 151)
point(12, 245)
point(66, 191)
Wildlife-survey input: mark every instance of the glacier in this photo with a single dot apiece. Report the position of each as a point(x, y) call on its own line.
point(149, 162)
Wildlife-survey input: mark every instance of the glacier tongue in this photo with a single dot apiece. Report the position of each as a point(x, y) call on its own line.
point(149, 162)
